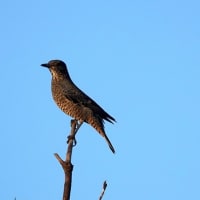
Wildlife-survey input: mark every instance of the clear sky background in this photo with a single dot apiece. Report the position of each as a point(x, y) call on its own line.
point(139, 60)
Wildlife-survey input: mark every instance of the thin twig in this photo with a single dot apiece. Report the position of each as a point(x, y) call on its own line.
point(67, 165)
point(103, 190)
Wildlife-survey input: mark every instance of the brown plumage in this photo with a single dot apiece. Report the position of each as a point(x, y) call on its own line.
point(72, 101)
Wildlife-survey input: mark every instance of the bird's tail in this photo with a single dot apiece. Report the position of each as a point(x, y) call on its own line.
point(97, 123)
point(109, 144)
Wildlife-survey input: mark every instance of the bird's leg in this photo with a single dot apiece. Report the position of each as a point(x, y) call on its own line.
point(78, 125)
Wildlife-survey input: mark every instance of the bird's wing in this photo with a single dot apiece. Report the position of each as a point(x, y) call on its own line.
point(79, 97)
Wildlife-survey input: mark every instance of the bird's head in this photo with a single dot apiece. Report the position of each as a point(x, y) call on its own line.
point(56, 67)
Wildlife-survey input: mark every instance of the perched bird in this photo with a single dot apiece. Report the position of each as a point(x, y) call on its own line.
point(72, 101)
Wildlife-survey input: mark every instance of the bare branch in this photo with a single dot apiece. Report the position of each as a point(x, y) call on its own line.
point(103, 190)
point(67, 165)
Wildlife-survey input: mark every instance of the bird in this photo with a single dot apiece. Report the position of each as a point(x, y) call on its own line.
point(74, 102)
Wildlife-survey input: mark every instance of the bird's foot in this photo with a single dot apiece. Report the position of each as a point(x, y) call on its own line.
point(75, 124)
point(70, 137)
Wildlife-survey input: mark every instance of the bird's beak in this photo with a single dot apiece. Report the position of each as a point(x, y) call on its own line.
point(45, 65)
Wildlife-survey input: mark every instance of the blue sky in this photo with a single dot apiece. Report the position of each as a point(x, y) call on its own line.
point(139, 60)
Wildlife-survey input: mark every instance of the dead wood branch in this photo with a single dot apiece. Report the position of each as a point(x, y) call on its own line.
point(67, 165)
point(103, 190)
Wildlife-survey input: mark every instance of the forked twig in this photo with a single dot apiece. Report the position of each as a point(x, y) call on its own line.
point(67, 165)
